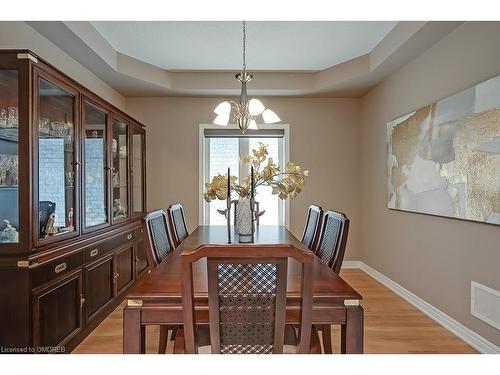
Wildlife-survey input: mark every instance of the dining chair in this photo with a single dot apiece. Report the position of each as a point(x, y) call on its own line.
point(331, 249)
point(158, 247)
point(312, 227)
point(333, 239)
point(178, 223)
point(246, 302)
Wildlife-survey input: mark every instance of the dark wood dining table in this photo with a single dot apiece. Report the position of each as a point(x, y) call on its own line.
point(157, 298)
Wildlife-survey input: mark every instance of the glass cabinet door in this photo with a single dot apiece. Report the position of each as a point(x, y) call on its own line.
point(9, 156)
point(119, 169)
point(95, 176)
point(56, 161)
point(137, 172)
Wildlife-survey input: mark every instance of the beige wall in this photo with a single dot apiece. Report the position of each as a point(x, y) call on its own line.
point(18, 35)
point(324, 137)
point(435, 258)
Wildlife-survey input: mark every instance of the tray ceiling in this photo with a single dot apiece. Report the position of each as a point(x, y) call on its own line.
point(289, 46)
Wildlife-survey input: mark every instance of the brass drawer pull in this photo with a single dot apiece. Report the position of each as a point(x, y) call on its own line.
point(94, 252)
point(60, 268)
point(129, 237)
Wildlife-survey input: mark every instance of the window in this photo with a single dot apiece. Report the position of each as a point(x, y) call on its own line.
point(225, 148)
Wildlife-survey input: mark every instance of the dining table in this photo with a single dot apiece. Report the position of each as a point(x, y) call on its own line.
point(157, 298)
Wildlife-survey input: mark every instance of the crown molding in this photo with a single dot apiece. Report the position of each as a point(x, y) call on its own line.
point(132, 77)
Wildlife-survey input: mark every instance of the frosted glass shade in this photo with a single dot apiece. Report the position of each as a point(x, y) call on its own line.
point(270, 117)
point(255, 107)
point(222, 120)
point(223, 109)
point(252, 125)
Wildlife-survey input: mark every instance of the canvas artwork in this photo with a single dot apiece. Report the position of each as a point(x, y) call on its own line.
point(444, 159)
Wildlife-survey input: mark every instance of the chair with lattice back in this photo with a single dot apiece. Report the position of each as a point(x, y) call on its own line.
point(159, 242)
point(247, 302)
point(333, 239)
point(178, 223)
point(158, 247)
point(312, 227)
point(330, 249)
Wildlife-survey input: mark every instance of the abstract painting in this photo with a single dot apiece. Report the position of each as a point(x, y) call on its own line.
point(444, 159)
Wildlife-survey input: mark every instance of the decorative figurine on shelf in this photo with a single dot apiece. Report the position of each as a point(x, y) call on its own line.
point(123, 151)
point(116, 179)
point(50, 228)
point(115, 146)
point(10, 178)
point(118, 209)
point(8, 170)
point(8, 233)
point(69, 220)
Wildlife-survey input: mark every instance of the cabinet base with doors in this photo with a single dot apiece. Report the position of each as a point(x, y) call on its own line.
point(72, 195)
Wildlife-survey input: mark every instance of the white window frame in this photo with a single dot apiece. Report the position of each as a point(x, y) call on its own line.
point(203, 160)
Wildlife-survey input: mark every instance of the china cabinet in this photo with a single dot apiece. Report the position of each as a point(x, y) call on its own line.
point(72, 194)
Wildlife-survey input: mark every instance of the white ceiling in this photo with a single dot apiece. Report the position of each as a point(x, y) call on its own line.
point(285, 46)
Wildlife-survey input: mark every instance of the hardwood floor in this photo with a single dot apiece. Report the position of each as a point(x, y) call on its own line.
point(392, 325)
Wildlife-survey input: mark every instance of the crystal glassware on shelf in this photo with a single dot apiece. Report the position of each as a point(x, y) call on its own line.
point(44, 125)
point(3, 169)
point(58, 129)
point(68, 133)
point(12, 120)
point(70, 178)
point(3, 118)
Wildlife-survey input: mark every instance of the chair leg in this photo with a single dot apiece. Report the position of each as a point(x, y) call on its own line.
point(179, 342)
point(162, 345)
point(326, 333)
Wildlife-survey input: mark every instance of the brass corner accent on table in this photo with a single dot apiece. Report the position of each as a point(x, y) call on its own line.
point(134, 303)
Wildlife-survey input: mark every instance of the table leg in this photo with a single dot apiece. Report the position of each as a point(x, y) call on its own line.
point(352, 331)
point(134, 335)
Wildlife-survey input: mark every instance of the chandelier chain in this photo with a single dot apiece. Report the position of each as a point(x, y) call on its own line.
point(244, 47)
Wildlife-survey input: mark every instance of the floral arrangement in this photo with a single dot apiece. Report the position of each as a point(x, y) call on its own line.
point(288, 183)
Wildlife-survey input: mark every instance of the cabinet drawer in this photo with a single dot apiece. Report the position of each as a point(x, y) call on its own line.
point(97, 251)
point(102, 248)
point(54, 269)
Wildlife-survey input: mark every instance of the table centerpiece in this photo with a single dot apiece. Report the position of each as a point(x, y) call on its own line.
point(264, 172)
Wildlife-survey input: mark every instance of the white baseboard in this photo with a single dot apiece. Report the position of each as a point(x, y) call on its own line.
point(352, 264)
point(470, 337)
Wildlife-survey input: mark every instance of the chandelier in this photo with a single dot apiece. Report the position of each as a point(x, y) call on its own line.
point(246, 111)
